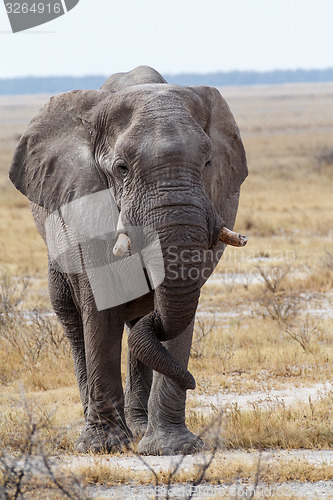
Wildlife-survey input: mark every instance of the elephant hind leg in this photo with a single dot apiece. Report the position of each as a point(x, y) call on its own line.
point(70, 319)
point(137, 390)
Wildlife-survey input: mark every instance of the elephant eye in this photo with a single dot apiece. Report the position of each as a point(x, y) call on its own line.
point(121, 167)
point(208, 162)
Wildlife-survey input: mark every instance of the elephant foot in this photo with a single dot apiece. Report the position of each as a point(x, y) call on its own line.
point(137, 427)
point(137, 421)
point(170, 441)
point(103, 437)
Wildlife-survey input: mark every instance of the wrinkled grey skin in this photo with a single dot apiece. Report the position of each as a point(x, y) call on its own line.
point(185, 163)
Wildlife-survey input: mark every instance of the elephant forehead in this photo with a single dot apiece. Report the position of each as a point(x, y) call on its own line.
point(164, 138)
point(160, 100)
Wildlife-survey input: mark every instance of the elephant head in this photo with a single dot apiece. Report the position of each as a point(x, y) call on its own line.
point(174, 161)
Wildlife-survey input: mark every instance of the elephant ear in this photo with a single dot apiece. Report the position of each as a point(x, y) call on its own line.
point(53, 163)
point(228, 167)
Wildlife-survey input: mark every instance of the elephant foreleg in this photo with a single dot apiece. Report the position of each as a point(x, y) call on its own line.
point(105, 428)
point(70, 319)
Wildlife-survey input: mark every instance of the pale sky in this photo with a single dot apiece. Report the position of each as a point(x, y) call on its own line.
point(107, 36)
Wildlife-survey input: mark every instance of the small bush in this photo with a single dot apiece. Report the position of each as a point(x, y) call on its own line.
point(31, 342)
point(201, 331)
point(279, 307)
point(305, 334)
point(273, 278)
point(31, 474)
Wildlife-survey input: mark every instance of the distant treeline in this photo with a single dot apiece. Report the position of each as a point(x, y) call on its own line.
point(57, 84)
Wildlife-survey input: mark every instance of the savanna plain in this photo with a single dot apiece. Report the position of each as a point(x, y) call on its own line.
point(262, 352)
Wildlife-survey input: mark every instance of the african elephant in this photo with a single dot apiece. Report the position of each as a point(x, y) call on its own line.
point(172, 159)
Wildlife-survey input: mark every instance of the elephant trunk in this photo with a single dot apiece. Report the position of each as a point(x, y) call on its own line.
point(175, 307)
point(176, 298)
point(144, 343)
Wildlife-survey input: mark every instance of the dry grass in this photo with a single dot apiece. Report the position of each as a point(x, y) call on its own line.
point(265, 320)
point(224, 470)
point(302, 425)
point(29, 473)
point(268, 424)
point(34, 350)
point(235, 358)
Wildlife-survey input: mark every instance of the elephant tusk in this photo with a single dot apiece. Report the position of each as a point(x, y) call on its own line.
point(232, 238)
point(122, 245)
